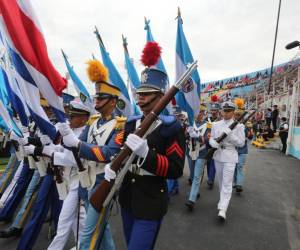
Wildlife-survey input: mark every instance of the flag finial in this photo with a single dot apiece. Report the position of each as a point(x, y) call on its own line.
point(125, 43)
point(98, 36)
point(147, 22)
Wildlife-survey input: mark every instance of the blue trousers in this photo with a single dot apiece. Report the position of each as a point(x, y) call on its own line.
point(191, 164)
point(211, 171)
point(92, 217)
point(239, 170)
point(19, 219)
point(173, 185)
point(198, 172)
point(140, 234)
point(47, 196)
point(22, 183)
point(9, 172)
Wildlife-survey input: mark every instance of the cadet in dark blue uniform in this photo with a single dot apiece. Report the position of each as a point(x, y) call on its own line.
point(143, 195)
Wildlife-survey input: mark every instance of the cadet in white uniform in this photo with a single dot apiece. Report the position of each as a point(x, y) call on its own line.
point(68, 218)
point(226, 156)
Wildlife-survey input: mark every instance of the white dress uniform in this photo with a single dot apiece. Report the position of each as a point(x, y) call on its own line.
point(69, 211)
point(226, 158)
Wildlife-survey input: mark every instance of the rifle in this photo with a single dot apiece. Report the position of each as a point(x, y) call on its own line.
point(211, 151)
point(98, 197)
point(118, 181)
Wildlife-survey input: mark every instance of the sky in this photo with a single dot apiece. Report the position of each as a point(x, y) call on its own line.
point(227, 37)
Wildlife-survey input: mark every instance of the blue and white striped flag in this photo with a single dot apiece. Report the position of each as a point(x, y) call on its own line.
point(125, 105)
point(133, 77)
point(160, 65)
point(6, 119)
point(188, 99)
point(79, 86)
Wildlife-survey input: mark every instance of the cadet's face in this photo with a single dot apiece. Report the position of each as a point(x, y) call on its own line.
point(214, 113)
point(200, 116)
point(104, 105)
point(147, 101)
point(78, 120)
point(237, 115)
point(227, 115)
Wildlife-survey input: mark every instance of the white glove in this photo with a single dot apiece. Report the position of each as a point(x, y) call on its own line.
point(227, 131)
point(214, 143)
point(109, 174)
point(13, 136)
point(138, 145)
point(64, 128)
point(190, 129)
point(48, 150)
point(194, 134)
point(71, 140)
point(29, 150)
point(23, 141)
point(45, 140)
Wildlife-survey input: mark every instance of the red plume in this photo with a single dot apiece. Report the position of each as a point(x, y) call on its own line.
point(151, 54)
point(214, 98)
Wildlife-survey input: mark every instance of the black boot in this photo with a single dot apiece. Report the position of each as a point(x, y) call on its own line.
point(210, 185)
point(11, 232)
point(238, 188)
point(190, 205)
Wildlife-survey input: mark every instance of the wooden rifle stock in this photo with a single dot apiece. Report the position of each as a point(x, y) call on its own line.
point(211, 151)
point(98, 197)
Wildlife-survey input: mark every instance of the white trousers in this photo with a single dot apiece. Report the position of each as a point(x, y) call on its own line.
point(68, 218)
point(9, 191)
point(225, 173)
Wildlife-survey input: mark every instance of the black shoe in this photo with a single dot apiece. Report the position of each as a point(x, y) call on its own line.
point(11, 232)
point(238, 189)
point(190, 205)
point(210, 185)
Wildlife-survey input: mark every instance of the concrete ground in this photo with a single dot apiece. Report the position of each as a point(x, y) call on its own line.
point(266, 215)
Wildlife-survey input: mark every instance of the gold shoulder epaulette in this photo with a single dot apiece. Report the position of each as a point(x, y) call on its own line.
point(208, 125)
point(92, 119)
point(120, 122)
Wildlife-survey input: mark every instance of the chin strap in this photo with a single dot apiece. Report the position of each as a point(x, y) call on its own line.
point(147, 103)
point(99, 108)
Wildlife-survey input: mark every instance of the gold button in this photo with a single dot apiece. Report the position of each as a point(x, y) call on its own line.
point(133, 180)
point(161, 190)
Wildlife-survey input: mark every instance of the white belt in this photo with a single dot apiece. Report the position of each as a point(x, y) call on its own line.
point(99, 168)
point(139, 171)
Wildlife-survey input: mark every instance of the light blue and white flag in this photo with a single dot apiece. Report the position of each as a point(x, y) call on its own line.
point(5, 116)
point(125, 105)
point(188, 99)
point(160, 65)
point(79, 86)
point(133, 77)
point(131, 71)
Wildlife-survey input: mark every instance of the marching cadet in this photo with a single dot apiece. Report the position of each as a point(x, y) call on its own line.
point(47, 196)
point(160, 156)
point(101, 139)
point(214, 116)
point(196, 156)
point(72, 214)
point(242, 151)
point(226, 156)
